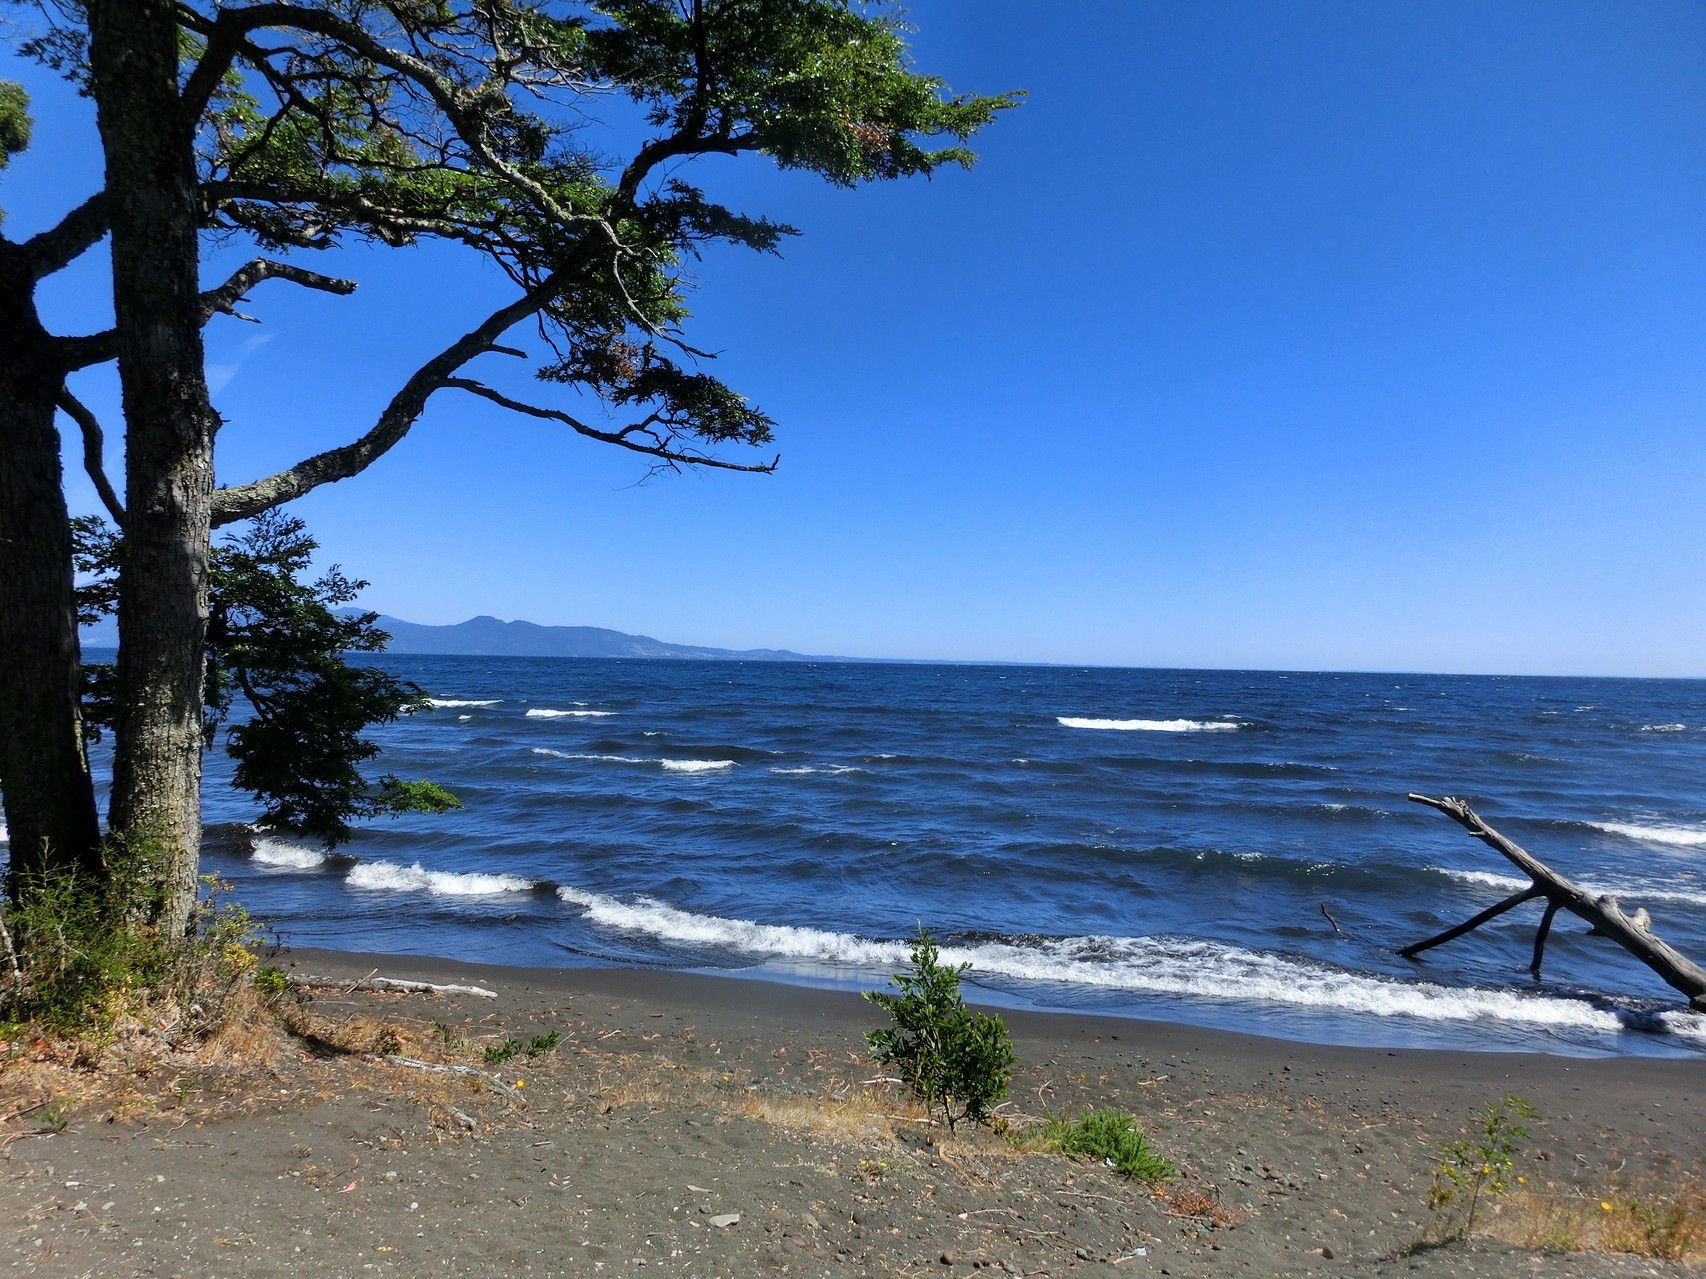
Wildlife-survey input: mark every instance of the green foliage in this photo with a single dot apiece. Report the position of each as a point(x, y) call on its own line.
point(948, 1055)
point(276, 642)
point(538, 1046)
point(1480, 1166)
point(77, 957)
point(14, 121)
point(1111, 1136)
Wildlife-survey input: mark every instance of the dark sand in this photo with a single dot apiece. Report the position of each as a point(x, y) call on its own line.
point(677, 1099)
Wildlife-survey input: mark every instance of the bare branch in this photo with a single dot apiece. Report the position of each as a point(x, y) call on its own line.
point(57, 247)
point(93, 450)
point(626, 437)
point(222, 299)
point(248, 500)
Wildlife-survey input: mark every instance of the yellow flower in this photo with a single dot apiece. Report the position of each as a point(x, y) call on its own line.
point(1521, 1181)
point(1605, 1207)
point(521, 1083)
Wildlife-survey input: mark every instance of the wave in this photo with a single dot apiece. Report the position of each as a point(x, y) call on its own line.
point(1634, 893)
point(549, 714)
point(270, 850)
point(443, 883)
point(1150, 725)
point(668, 765)
point(1157, 965)
point(440, 703)
point(1681, 836)
point(833, 770)
point(1663, 728)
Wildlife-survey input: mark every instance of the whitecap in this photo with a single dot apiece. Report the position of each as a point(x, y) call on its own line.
point(1160, 965)
point(549, 714)
point(1149, 725)
point(1663, 728)
point(270, 850)
point(1634, 892)
point(668, 765)
point(444, 883)
point(831, 770)
point(1685, 1025)
point(1682, 836)
point(440, 703)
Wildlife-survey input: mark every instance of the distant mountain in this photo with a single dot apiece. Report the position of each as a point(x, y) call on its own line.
point(488, 637)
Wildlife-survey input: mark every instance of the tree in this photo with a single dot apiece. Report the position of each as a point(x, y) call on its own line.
point(301, 125)
point(278, 644)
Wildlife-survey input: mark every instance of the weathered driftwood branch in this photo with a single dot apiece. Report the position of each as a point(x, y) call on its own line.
point(1633, 933)
point(389, 983)
point(444, 1068)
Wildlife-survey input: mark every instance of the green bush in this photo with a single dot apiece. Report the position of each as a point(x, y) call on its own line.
point(76, 954)
point(948, 1055)
point(1111, 1136)
point(1482, 1167)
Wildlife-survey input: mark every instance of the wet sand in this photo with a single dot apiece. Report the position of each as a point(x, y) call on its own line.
point(676, 1100)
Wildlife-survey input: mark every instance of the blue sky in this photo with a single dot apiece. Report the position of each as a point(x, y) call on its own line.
point(1305, 335)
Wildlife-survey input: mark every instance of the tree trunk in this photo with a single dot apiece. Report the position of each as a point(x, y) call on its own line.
point(169, 426)
point(44, 773)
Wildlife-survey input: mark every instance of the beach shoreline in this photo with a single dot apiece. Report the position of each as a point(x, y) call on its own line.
point(676, 1099)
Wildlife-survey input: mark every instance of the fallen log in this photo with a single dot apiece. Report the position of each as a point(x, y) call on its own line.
point(398, 984)
point(1632, 932)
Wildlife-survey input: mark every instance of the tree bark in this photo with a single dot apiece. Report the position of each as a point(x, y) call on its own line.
point(44, 772)
point(153, 210)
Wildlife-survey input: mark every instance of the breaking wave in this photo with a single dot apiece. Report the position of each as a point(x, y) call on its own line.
point(1150, 725)
point(443, 883)
point(440, 703)
point(1635, 894)
point(550, 714)
point(1680, 836)
point(668, 765)
point(1157, 965)
point(270, 850)
point(832, 770)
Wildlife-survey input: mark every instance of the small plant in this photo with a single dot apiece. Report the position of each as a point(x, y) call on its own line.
point(497, 1054)
point(948, 1055)
point(448, 1037)
point(539, 1045)
point(1111, 1136)
point(54, 1117)
point(1480, 1167)
point(271, 980)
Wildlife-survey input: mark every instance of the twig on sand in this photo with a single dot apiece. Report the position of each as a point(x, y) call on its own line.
point(391, 1059)
point(370, 982)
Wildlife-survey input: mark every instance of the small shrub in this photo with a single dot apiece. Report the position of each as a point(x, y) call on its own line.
point(1480, 1167)
point(539, 1045)
point(948, 1055)
point(1111, 1136)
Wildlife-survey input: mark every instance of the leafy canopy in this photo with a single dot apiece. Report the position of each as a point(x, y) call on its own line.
point(275, 646)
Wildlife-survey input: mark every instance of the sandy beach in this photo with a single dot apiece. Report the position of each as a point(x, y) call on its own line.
point(699, 1125)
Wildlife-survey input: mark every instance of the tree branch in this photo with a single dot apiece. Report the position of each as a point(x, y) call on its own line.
point(93, 449)
point(221, 300)
point(624, 438)
point(59, 246)
point(248, 500)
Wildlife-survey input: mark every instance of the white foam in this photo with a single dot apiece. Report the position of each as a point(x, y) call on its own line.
point(1682, 836)
point(1201, 969)
point(443, 883)
point(1685, 1025)
point(668, 765)
point(464, 717)
point(269, 850)
point(1635, 893)
point(549, 714)
point(832, 770)
point(1150, 725)
point(1663, 728)
point(439, 703)
point(5, 835)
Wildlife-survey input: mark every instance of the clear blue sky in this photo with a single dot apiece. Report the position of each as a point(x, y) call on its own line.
point(1303, 335)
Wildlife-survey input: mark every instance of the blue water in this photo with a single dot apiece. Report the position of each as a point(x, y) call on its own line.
point(794, 821)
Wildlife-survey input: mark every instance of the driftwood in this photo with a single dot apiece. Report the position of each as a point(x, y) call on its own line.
point(444, 1068)
point(1632, 932)
point(370, 982)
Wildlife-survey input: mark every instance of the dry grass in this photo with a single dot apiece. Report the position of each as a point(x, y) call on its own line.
point(1650, 1216)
